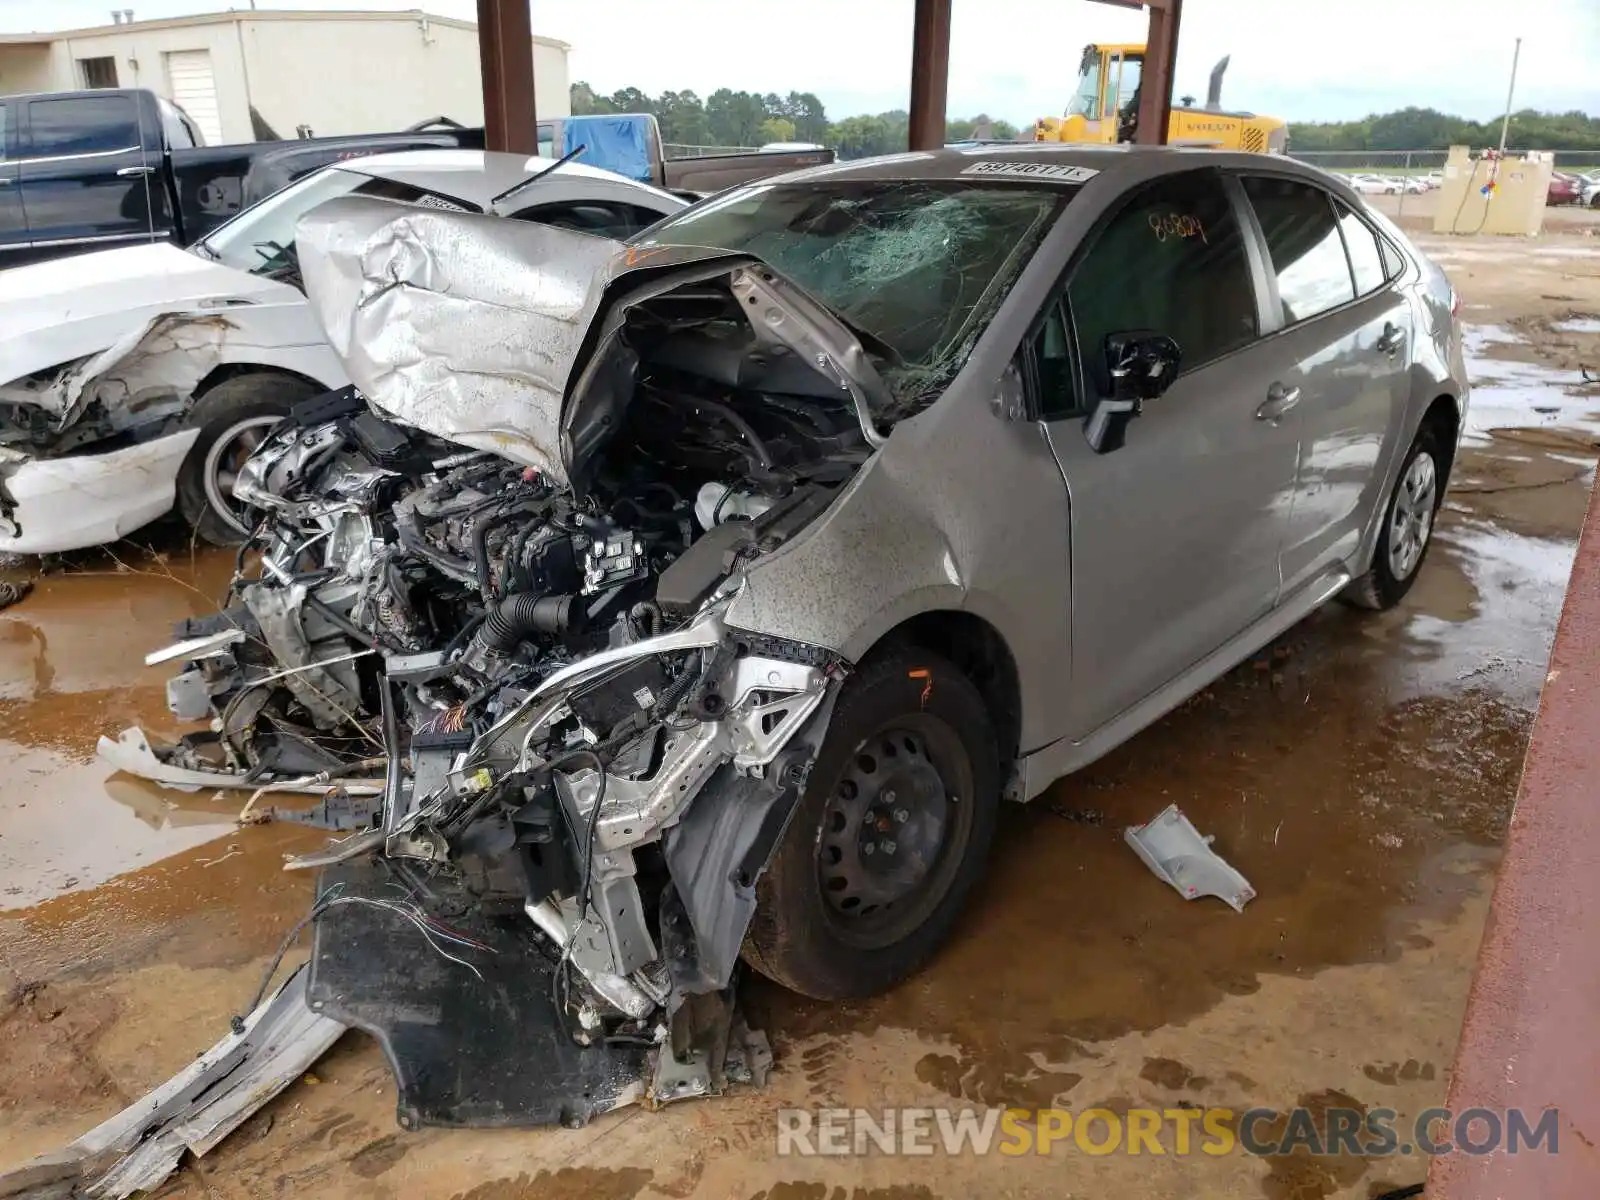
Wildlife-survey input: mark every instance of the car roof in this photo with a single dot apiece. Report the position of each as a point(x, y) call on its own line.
point(478, 176)
point(956, 162)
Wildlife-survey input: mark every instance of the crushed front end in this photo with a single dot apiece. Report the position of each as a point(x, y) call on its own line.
point(560, 770)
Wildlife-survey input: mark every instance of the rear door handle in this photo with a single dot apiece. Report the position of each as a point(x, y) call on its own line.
point(131, 172)
point(1279, 401)
point(1392, 338)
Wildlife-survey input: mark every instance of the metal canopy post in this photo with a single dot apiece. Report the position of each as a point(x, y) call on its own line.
point(505, 52)
point(1160, 54)
point(930, 73)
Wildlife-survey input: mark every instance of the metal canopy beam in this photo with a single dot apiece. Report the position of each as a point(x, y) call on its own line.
point(505, 52)
point(930, 73)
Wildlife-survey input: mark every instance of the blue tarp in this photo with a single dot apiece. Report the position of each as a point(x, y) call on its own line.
point(620, 144)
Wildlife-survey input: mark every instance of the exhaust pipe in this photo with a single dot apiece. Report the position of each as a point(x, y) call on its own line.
point(1214, 92)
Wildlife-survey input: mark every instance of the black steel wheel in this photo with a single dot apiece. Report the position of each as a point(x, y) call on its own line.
point(894, 829)
point(891, 833)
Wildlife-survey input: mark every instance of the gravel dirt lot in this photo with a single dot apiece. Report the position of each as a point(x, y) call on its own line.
point(1359, 773)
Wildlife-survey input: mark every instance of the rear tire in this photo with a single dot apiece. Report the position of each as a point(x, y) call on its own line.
point(232, 417)
point(910, 766)
point(1407, 530)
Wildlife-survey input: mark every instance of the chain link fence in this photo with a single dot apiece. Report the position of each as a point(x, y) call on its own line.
point(1409, 173)
point(1421, 161)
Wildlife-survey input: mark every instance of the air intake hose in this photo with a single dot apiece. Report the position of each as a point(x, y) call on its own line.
point(516, 618)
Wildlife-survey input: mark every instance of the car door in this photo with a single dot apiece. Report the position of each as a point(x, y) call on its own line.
point(1341, 347)
point(85, 180)
point(13, 224)
point(1174, 535)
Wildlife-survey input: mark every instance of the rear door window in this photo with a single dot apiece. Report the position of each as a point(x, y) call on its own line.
point(75, 125)
point(1366, 256)
point(1171, 261)
point(1303, 240)
point(1393, 264)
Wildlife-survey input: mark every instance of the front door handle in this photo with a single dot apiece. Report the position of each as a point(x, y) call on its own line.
point(1392, 338)
point(131, 172)
point(1279, 401)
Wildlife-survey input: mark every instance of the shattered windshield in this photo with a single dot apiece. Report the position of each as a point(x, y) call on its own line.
point(920, 266)
point(260, 239)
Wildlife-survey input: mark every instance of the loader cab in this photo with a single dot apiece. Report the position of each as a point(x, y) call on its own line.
point(1105, 102)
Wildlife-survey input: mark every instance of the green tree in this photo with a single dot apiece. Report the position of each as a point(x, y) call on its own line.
point(1430, 129)
point(735, 117)
point(777, 129)
point(809, 117)
point(586, 101)
point(683, 119)
point(631, 100)
point(863, 136)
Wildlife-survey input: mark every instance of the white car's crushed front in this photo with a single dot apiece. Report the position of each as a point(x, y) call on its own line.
point(110, 361)
point(101, 354)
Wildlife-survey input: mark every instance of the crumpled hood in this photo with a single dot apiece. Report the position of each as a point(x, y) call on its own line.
point(68, 308)
point(483, 330)
point(464, 326)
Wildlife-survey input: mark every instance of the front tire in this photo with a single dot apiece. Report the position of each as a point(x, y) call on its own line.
point(892, 831)
point(1407, 530)
point(233, 418)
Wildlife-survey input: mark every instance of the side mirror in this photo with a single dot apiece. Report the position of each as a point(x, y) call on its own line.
point(1141, 366)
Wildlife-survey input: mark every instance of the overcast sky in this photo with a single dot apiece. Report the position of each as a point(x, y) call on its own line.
point(1016, 58)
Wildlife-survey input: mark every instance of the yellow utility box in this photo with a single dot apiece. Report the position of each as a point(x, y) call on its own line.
point(1482, 195)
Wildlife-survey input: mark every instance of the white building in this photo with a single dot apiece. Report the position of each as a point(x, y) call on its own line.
point(248, 75)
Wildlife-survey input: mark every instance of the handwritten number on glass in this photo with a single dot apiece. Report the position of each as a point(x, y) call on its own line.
point(1177, 225)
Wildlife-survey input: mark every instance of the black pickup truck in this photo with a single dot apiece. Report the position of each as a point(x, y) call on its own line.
point(91, 170)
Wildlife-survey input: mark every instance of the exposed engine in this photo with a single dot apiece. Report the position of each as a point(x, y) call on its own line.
point(532, 680)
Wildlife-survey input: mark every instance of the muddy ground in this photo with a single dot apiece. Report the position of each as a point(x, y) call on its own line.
point(1360, 774)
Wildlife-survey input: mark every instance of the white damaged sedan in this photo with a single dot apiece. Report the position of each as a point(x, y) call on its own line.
point(136, 380)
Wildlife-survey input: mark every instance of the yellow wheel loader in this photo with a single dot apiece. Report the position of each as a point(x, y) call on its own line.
point(1105, 108)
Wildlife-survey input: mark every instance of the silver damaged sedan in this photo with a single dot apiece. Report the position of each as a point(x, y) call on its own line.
point(708, 593)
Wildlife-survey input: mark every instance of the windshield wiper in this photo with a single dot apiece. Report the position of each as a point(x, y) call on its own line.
point(538, 175)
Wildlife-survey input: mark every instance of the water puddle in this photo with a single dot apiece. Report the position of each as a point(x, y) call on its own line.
point(1513, 394)
point(72, 668)
point(1486, 608)
point(1578, 325)
point(63, 829)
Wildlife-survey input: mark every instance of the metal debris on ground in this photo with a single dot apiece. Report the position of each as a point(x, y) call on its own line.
point(1078, 816)
point(194, 1110)
point(12, 592)
point(338, 811)
point(1174, 850)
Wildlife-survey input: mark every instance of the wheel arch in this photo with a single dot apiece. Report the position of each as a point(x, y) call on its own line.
point(981, 652)
point(223, 372)
point(1444, 413)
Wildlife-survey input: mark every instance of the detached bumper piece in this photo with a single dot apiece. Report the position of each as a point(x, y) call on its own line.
point(490, 1052)
point(138, 1148)
point(1175, 852)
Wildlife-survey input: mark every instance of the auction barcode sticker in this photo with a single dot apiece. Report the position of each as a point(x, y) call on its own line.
point(1030, 170)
